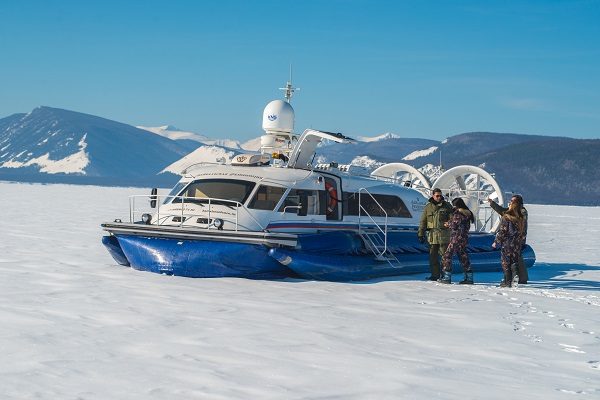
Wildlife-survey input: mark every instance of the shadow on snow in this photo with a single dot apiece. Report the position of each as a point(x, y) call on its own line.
point(541, 276)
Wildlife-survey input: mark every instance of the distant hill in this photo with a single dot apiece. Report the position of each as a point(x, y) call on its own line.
point(545, 169)
point(384, 150)
point(55, 145)
point(549, 171)
point(193, 139)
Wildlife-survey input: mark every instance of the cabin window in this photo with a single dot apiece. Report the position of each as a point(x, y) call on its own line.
point(393, 205)
point(301, 202)
point(174, 192)
point(266, 197)
point(223, 189)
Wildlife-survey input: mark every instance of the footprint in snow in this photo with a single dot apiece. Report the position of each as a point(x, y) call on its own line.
point(519, 326)
point(534, 338)
point(563, 322)
point(549, 314)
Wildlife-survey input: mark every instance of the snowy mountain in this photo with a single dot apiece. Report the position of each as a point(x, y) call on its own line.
point(545, 169)
point(173, 133)
point(329, 150)
point(381, 148)
point(57, 145)
point(377, 138)
point(54, 145)
point(201, 154)
point(419, 153)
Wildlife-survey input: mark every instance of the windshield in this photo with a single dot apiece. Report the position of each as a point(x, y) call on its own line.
point(173, 192)
point(225, 189)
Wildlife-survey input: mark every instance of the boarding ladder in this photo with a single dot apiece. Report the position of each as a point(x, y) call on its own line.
point(373, 234)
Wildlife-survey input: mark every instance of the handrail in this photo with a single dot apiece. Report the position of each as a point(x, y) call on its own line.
point(286, 207)
point(361, 208)
point(133, 211)
point(191, 167)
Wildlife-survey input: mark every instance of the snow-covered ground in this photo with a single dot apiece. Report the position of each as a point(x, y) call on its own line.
point(76, 326)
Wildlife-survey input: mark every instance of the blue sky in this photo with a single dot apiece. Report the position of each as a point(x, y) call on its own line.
point(428, 69)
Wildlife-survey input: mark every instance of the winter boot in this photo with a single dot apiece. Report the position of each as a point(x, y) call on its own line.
point(446, 277)
point(506, 281)
point(468, 279)
point(515, 276)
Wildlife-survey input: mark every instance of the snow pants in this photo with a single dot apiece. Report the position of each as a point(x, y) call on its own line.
point(435, 252)
point(460, 249)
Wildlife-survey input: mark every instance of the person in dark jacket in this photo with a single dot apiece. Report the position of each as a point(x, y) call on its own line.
point(523, 274)
point(459, 239)
point(511, 237)
point(435, 214)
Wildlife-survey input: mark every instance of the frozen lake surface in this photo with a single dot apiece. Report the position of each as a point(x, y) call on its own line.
point(77, 326)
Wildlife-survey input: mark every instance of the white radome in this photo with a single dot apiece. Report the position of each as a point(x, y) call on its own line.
point(278, 117)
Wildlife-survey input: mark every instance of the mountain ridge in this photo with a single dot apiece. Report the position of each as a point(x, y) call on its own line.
point(41, 141)
point(55, 145)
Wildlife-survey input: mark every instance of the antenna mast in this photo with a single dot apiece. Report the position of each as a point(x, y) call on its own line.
point(289, 90)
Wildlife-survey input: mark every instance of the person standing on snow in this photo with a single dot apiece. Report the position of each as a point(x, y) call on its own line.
point(435, 214)
point(511, 237)
point(522, 269)
point(459, 239)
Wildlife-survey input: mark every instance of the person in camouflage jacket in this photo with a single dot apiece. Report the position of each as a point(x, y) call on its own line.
point(435, 214)
point(459, 239)
point(522, 269)
point(511, 238)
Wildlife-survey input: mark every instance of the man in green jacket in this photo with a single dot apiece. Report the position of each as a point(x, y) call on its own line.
point(522, 269)
point(435, 214)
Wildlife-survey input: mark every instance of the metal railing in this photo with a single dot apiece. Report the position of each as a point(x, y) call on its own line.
point(136, 210)
point(378, 250)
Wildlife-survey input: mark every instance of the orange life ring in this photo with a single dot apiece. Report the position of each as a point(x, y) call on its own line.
point(333, 196)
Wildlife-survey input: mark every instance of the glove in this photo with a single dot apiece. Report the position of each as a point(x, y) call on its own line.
point(422, 239)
